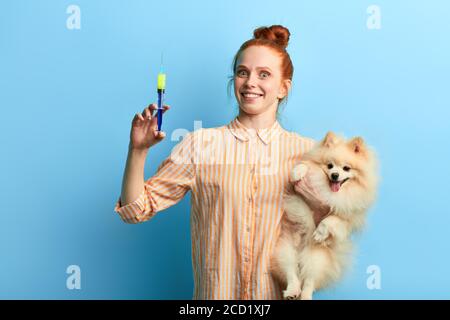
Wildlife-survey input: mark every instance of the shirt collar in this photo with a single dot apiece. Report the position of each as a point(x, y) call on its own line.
point(243, 133)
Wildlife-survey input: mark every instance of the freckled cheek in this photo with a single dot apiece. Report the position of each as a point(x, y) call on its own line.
point(269, 90)
point(237, 85)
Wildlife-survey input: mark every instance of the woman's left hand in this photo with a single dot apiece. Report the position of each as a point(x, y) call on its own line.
point(312, 198)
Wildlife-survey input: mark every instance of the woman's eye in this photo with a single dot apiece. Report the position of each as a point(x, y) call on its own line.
point(330, 166)
point(264, 74)
point(242, 73)
point(346, 168)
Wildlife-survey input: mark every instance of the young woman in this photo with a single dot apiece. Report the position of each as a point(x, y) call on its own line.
point(237, 175)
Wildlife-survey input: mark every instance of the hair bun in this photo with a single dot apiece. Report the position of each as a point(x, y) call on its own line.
point(276, 33)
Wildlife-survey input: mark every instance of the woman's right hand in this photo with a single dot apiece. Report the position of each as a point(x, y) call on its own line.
point(312, 198)
point(144, 128)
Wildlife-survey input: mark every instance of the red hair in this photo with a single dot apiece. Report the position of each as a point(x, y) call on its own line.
point(275, 37)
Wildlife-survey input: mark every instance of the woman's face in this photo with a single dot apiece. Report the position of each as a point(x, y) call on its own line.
point(257, 81)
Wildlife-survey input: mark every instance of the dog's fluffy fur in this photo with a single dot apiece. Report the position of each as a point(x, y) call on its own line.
point(307, 256)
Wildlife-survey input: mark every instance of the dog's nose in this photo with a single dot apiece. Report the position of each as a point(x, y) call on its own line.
point(335, 176)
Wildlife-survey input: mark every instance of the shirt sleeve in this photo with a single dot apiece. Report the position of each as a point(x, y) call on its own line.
point(310, 143)
point(172, 180)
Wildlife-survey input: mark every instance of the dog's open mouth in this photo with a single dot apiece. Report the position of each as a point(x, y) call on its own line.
point(336, 185)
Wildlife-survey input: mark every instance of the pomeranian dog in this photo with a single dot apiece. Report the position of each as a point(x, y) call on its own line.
point(307, 256)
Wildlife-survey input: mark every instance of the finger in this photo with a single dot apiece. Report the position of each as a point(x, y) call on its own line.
point(159, 134)
point(307, 181)
point(154, 121)
point(152, 108)
point(302, 189)
point(298, 187)
point(300, 184)
point(147, 114)
point(165, 108)
point(138, 117)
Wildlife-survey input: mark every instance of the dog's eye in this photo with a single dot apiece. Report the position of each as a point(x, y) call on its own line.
point(330, 166)
point(346, 168)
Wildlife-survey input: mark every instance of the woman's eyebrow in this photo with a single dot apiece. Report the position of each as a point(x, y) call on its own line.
point(242, 66)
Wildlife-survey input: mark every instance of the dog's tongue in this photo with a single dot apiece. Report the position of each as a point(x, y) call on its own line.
point(335, 186)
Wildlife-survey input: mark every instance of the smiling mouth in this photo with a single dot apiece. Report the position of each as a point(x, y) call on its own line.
point(336, 185)
point(251, 96)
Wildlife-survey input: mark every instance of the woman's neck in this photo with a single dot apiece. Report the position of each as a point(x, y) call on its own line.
point(257, 121)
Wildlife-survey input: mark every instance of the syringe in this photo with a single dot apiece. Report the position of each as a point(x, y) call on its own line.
point(161, 90)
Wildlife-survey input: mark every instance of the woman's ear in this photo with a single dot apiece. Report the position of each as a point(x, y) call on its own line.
point(284, 88)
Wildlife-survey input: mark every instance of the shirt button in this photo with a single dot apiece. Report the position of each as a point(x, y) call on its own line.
point(248, 229)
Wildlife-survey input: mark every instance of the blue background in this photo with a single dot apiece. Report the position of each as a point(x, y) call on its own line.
point(67, 98)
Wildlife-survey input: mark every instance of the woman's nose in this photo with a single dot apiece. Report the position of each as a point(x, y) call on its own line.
point(251, 81)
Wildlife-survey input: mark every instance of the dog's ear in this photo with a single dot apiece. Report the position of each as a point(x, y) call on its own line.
point(356, 145)
point(329, 139)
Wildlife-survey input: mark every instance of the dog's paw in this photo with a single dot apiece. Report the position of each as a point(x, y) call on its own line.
point(291, 293)
point(321, 234)
point(299, 172)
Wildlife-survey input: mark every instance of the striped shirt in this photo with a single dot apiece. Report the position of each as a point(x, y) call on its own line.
point(237, 177)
